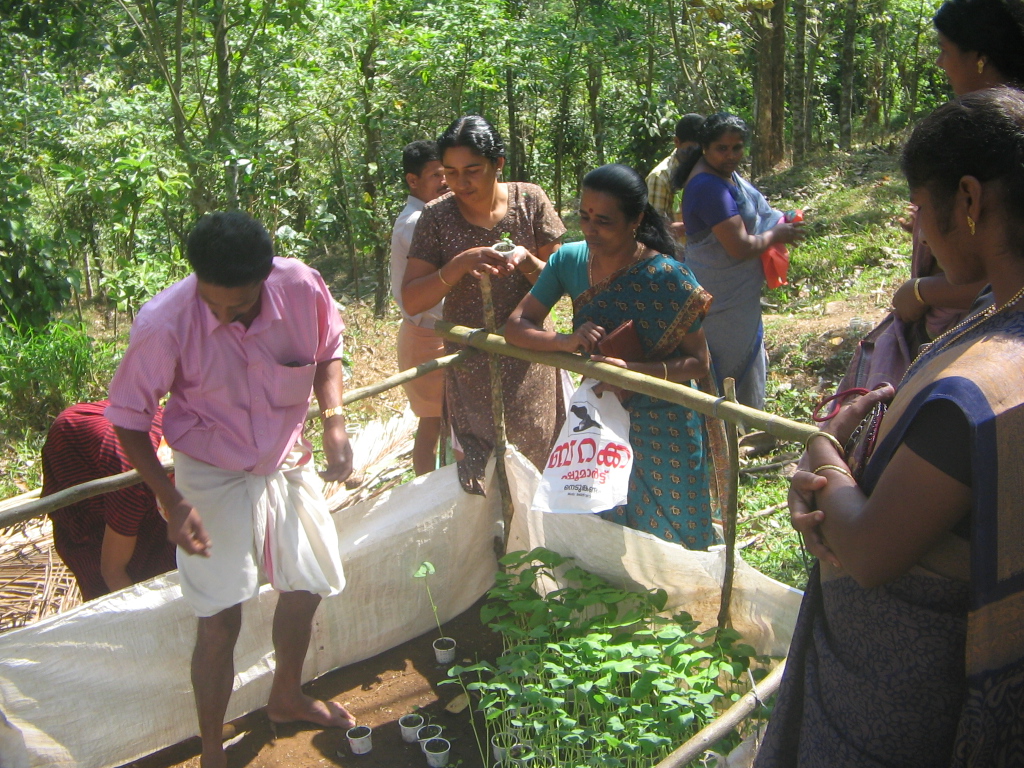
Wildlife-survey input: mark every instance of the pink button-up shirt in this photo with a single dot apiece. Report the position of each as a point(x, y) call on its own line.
point(239, 395)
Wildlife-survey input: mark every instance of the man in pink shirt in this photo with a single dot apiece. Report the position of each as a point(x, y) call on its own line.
point(241, 345)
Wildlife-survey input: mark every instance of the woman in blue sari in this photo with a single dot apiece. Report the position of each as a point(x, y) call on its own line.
point(729, 225)
point(625, 270)
point(909, 648)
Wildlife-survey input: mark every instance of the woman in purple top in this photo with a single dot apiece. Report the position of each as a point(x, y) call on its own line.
point(728, 225)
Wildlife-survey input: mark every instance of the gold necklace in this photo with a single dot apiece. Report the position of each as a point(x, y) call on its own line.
point(637, 253)
point(964, 327)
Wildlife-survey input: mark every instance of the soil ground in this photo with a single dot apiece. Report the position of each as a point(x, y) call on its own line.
point(377, 692)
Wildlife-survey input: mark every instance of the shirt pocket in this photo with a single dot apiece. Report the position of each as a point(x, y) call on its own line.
point(291, 385)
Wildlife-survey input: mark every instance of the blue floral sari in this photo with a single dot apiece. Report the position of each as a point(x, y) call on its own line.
point(670, 489)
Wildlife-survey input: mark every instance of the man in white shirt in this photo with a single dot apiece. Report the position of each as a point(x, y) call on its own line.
point(417, 342)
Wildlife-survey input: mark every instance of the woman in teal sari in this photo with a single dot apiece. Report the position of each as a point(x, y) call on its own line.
point(625, 270)
point(909, 648)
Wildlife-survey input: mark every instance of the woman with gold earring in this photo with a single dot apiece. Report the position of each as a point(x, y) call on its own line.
point(908, 648)
point(981, 45)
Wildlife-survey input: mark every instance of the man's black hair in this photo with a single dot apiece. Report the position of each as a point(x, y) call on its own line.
point(688, 127)
point(416, 155)
point(230, 249)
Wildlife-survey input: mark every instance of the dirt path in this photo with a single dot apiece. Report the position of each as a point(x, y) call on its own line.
point(377, 691)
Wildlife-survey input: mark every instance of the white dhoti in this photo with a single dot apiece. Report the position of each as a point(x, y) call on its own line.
point(278, 524)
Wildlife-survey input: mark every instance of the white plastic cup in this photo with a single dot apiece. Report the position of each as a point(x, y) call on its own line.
point(504, 248)
point(360, 739)
point(501, 743)
point(444, 650)
point(426, 733)
point(521, 755)
point(437, 750)
point(409, 725)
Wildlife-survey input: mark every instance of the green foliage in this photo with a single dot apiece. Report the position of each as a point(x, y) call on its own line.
point(43, 370)
point(124, 121)
point(772, 545)
point(33, 284)
point(595, 675)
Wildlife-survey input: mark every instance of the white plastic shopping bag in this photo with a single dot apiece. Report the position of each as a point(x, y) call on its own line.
point(588, 470)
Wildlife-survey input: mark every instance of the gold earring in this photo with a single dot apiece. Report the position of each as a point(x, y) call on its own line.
point(970, 225)
point(981, 66)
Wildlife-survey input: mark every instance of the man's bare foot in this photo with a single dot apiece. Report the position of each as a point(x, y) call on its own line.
point(214, 757)
point(329, 714)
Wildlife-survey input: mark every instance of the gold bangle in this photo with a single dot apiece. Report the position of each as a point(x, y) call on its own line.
point(917, 292)
point(834, 468)
point(534, 271)
point(828, 436)
point(336, 411)
point(441, 278)
point(665, 366)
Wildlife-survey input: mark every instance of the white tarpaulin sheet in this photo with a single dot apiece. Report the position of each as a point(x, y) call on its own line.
point(109, 681)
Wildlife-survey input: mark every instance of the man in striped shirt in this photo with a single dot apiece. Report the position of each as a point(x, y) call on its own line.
point(661, 191)
point(113, 540)
point(241, 345)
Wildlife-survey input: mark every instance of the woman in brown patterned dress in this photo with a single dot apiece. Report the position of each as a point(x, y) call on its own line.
point(450, 251)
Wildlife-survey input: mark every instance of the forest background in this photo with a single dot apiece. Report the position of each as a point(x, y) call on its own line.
point(121, 121)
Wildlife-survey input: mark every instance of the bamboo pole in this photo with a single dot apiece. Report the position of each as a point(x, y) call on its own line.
point(497, 414)
point(47, 504)
point(17, 513)
point(701, 402)
point(401, 377)
point(720, 727)
point(730, 513)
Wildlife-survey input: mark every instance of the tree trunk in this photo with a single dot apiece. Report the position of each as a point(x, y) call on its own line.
point(222, 123)
point(875, 86)
point(799, 82)
point(778, 77)
point(594, 84)
point(813, 54)
point(515, 142)
point(760, 155)
point(513, 9)
point(915, 78)
point(846, 64)
point(683, 57)
point(371, 164)
point(561, 124)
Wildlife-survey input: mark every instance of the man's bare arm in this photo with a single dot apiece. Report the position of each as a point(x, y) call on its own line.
point(329, 388)
point(184, 525)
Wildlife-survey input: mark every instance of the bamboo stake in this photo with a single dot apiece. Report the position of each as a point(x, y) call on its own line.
point(497, 413)
point(37, 507)
point(720, 727)
point(708, 405)
point(730, 513)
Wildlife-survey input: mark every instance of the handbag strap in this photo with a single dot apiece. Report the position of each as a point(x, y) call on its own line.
point(836, 402)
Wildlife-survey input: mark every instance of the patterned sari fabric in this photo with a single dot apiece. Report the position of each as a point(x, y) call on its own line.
point(531, 393)
point(927, 670)
point(669, 489)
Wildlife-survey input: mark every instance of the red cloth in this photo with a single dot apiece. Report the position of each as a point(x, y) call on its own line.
point(81, 446)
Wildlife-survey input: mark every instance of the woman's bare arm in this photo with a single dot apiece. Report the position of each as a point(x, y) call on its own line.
point(525, 328)
point(741, 245)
